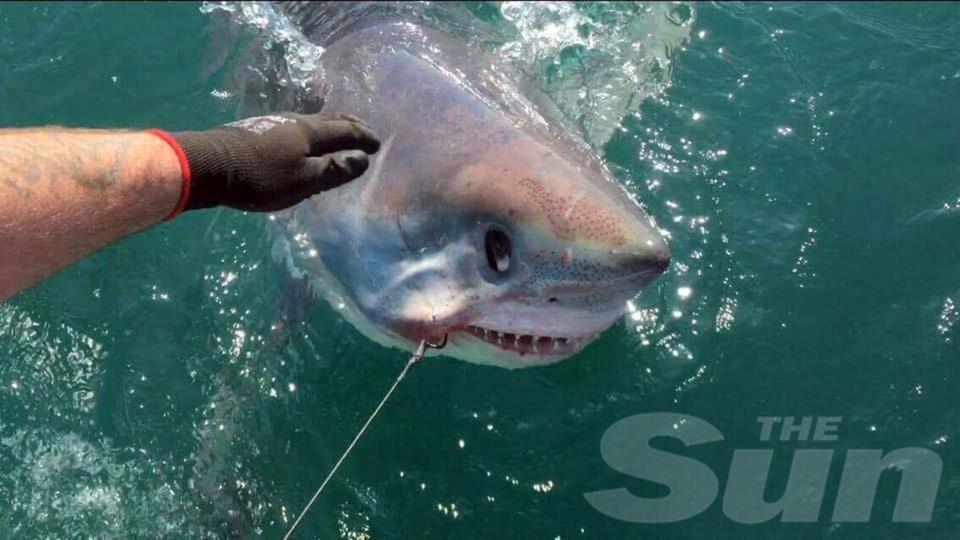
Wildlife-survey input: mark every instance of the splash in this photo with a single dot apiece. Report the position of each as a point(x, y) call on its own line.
point(598, 63)
point(300, 54)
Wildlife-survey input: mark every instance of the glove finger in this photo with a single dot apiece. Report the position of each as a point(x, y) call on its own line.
point(328, 136)
point(328, 172)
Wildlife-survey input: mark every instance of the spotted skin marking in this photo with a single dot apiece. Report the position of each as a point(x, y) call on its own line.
point(590, 222)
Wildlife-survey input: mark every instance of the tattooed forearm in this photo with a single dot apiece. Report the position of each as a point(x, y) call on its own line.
point(18, 166)
point(65, 193)
point(89, 159)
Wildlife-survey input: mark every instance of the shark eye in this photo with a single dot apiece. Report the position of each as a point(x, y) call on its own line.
point(497, 245)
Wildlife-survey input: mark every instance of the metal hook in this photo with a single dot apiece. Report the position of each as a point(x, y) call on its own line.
point(436, 346)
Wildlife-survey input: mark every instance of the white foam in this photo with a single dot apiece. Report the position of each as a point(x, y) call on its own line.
point(301, 56)
point(624, 57)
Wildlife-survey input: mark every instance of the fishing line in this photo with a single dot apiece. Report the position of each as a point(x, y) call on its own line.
point(417, 356)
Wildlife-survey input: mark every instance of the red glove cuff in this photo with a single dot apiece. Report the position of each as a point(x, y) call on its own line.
point(184, 171)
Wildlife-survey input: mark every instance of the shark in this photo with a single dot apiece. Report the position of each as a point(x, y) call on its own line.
point(484, 221)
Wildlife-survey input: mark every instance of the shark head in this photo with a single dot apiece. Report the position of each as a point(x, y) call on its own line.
point(519, 258)
point(478, 220)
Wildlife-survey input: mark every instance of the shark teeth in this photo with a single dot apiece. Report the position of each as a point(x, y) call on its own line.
point(529, 343)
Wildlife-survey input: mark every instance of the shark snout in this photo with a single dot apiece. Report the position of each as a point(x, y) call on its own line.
point(629, 244)
point(600, 277)
point(645, 259)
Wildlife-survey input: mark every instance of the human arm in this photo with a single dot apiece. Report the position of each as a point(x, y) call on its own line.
point(65, 193)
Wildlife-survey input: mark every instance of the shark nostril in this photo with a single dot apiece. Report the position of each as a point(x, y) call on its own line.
point(552, 299)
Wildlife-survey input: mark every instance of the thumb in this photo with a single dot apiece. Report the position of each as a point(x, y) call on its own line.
point(333, 170)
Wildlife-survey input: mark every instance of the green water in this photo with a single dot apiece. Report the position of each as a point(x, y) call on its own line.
point(804, 160)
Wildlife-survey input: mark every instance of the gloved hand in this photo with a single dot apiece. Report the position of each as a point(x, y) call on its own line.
point(271, 162)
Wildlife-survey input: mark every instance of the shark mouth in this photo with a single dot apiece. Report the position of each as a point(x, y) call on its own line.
point(524, 344)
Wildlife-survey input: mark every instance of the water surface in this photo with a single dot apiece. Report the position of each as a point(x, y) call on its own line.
point(801, 157)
